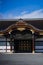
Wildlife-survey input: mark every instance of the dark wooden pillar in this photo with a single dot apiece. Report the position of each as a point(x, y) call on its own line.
point(6, 44)
point(10, 41)
point(33, 42)
point(10, 44)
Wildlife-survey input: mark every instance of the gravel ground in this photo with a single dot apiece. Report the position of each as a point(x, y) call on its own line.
point(21, 59)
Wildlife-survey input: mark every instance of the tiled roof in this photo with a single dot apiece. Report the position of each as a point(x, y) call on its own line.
point(38, 23)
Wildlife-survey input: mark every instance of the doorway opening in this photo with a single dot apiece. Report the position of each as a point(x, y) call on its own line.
point(23, 46)
point(22, 41)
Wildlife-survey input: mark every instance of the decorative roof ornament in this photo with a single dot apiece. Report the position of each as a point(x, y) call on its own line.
point(20, 20)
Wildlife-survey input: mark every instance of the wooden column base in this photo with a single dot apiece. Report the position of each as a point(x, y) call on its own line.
point(33, 52)
point(10, 48)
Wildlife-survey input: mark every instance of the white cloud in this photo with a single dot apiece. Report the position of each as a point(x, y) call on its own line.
point(10, 16)
point(1, 16)
point(25, 14)
point(34, 14)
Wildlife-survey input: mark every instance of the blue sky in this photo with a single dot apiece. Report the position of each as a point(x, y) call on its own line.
point(21, 8)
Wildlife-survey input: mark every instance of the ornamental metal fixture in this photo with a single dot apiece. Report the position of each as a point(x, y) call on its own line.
point(20, 20)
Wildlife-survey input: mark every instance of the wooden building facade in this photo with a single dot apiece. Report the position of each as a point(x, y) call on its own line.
point(21, 35)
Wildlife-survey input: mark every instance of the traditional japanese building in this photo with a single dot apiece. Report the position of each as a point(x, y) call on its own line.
point(21, 35)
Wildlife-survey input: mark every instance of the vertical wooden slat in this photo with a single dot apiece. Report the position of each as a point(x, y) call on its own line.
point(6, 44)
point(33, 44)
point(10, 44)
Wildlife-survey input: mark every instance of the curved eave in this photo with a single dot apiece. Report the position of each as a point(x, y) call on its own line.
point(13, 26)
